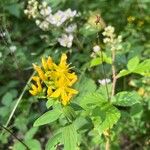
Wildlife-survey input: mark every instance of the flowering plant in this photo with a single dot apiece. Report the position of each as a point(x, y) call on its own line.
point(90, 83)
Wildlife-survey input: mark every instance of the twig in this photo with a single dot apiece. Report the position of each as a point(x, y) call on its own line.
point(113, 74)
point(107, 137)
point(14, 136)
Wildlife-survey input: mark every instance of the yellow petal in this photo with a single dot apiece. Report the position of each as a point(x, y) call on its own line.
point(71, 91)
point(33, 92)
point(34, 87)
point(49, 91)
point(63, 60)
point(72, 77)
point(64, 97)
point(35, 78)
point(56, 93)
point(39, 86)
point(49, 62)
point(44, 63)
point(40, 72)
point(64, 103)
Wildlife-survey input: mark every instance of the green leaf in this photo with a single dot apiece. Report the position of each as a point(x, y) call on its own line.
point(87, 30)
point(76, 107)
point(49, 103)
point(48, 117)
point(33, 144)
point(85, 86)
point(105, 91)
point(143, 68)
point(52, 142)
point(123, 73)
point(14, 9)
point(132, 64)
point(69, 136)
point(29, 135)
point(96, 61)
point(105, 117)
point(7, 99)
point(126, 98)
point(106, 58)
point(19, 146)
point(90, 99)
point(69, 113)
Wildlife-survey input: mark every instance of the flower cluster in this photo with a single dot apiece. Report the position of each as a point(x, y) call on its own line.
point(45, 19)
point(32, 9)
point(111, 40)
point(54, 81)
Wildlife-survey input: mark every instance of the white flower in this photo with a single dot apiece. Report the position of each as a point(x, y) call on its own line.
point(106, 40)
point(104, 81)
point(44, 4)
point(44, 25)
point(109, 31)
point(71, 28)
point(96, 48)
point(2, 34)
point(58, 18)
point(37, 22)
point(66, 40)
point(70, 13)
point(46, 11)
point(32, 9)
point(13, 48)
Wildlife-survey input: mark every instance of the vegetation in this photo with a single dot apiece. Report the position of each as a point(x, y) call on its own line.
point(75, 75)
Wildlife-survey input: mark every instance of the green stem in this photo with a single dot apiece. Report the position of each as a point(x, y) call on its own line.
point(18, 100)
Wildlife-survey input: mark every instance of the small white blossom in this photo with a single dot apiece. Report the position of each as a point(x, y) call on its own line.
point(44, 4)
point(58, 18)
point(66, 40)
point(46, 11)
point(113, 42)
point(71, 28)
point(109, 31)
point(32, 9)
point(44, 25)
point(104, 81)
point(96, 48)
point(70, 13)
point(61, 16)
point(13, 48)
point(37, 22)
point(2, 34)
point(119, 38)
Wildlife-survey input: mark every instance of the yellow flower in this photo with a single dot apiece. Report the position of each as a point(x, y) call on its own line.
point(44, 64)
point(57, 79)
point(40, 72)
point(50, 63)
point(63, 91)
point(36, 88)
